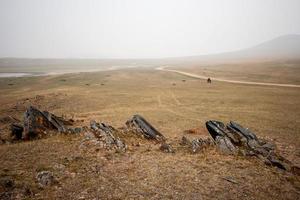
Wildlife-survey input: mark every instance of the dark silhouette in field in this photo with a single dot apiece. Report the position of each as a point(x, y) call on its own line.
point(208, 80)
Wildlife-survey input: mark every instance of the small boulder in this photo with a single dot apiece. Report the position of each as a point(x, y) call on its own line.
point(45, 178)
point(167, 148)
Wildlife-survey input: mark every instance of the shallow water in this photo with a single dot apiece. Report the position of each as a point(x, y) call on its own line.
point(59, 72)
point(17, 74)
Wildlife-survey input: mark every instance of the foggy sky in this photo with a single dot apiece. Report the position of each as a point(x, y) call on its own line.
point(140, 28)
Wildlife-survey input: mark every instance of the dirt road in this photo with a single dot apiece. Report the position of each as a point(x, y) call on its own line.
point(226, 80)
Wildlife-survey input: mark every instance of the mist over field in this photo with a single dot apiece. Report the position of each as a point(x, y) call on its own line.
point(66, 36)
point(283, 48)
point(138, 99)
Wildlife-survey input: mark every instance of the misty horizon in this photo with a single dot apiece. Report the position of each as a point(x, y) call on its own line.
point(140, 29)
point(154, 58)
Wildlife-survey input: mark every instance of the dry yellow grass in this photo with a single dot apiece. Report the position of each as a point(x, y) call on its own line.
point(284, 72)
point(172, 106)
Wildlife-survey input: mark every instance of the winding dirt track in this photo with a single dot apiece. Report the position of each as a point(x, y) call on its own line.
point(226, 80)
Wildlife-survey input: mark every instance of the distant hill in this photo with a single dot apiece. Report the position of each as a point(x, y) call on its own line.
point(285, 47)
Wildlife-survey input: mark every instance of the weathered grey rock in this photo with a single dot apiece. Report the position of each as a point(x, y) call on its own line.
point(196, 145)
point(225, 145)
point(220, 134)
point(215, 128)
point(167, 148)
point(94, 125)
point(56, 121)
point(234, 139)
point(107, 135)
point(45, 178)
point(121, 146)
point(36, 123)
point(244, 131)
point(280, 162)
point(139, 125)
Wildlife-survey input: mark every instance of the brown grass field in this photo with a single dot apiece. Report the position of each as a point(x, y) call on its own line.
point(284, 72)
point(172, 105)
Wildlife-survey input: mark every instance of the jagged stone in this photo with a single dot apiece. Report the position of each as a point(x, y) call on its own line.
point(218, 132)
point(215, 128)
point(196, 145)
point(36, 123)
point(107, 135)
point(244, 131)
point(56, 121)
point(139, 125)
point(234, 139)
point(225, 145)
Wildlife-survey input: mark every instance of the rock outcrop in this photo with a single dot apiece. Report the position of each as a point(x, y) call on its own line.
point(36, 123)
point(139, 125)
point(235, 139)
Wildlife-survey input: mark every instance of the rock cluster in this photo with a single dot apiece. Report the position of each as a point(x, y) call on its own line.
point(228, 139)
point(235, 139)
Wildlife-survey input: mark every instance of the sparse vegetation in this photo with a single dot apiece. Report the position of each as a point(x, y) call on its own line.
point(145, 172)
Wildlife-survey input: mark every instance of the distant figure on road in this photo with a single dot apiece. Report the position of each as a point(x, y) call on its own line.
point(208, 80)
